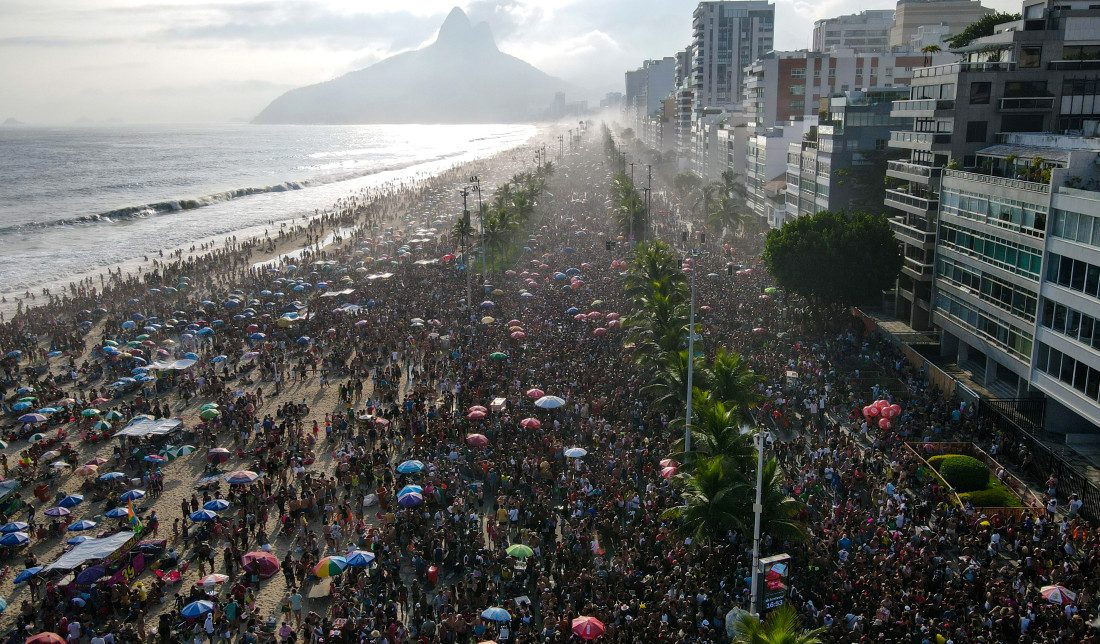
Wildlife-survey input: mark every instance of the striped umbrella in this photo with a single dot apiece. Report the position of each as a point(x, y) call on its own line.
point(330, 567)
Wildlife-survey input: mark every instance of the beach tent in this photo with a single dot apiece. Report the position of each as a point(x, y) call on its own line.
point(146, 426)
point(91, 550)
point(178, 365)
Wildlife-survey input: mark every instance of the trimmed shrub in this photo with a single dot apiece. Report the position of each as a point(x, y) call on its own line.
point(964, 473)
point(997, 496)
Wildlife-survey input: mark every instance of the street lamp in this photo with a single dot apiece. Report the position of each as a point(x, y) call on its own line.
point(758, 510)
point(476, 181)
point(691, 342)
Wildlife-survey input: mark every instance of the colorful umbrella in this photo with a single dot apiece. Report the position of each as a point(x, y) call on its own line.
point(264, 563)
point(410, 467)
point(82, 525)
point(241, 477)
point(56, 512)
point(197, 609)
point(89, 413)
point(530, 423)
point(535, 394)
point(410, 489)
point(203, 515)
point(116, 513)
point(210, 414)
point(14, 526)
point(217, 455)
point(15, 539)
point(213, 579)
point(71, 501)
point(1058, 595)
point(111, 476)
point(519, 551)
point(45, 638)
point(330, 567)
point(587, 628)
point(216, 505)
point(132, 495)
point(410, 500)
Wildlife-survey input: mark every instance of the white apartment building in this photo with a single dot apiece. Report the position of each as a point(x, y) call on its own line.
point(726, 37)
point(865, 32)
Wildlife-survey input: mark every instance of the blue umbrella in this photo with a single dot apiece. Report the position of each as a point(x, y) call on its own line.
point(304, 340)
point(3, 604)
point(53, 354)
point(132, 495)
point(360, 558)
point(20, 406)
point(217, 505)
point(410, 489)
point(129, 325)
point(111, 476)
point(572, 310)
point(203, 515)
point(25, 390)
point(24, 575)
point(496, 614)
point(48, 410)
point(14, 526)
point(218, 359)
point(13, 354)
point(82, 525)
point(257, 337)
point(71, 501)
point(197, 609)
point(190, 356)
point(31, 419)
point(411, 499)
point(77, 540)
point(14, 539)
point(410, 467)
point(116, 513)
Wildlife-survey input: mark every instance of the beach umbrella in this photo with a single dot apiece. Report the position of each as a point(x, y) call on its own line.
point(113, 415)
point(132, 495)
point(60, 465)
point(22, 406)
point(89, 413)
point(241, 477)
point(411, 499)
point(530, 423)
point(57, 511)
point(101, 426)
point(217, 505)
point(111, 476)
point(496, 614)
point(519, 551)
point(71, 501)
point(535, 393)
point(154, 458)
point(116, 513)
point(197, 609)
point(76, 540)
point(218, 359)
point(410, 467)
point(668, 472)
point(410, 489)
point(360, 558)
point(203, 515)
point(30, 419)
point(330, 567)
point(264, 563)
point(498, 355)
point(24, 575)
point(549, 402)
point(1058, 595)
point(82, 525)
point(45, 637)
point(587, 628)
point(36, 437)
point(477, 440)
point(217, 455)
point(213, 579)
point(14, 526)
point(15, 539)
point(480, 408)
point(575, 452)
point(476, 415)
point(210, 414)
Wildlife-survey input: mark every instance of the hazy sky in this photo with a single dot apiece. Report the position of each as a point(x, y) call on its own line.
point(218, 60)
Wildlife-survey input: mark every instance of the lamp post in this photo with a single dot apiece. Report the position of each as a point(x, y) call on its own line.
point(758, 510)
point(476, 180)
point(691, 354)
point(465, 192)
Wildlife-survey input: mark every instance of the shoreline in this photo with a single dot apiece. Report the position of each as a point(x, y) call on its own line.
point(376, 187)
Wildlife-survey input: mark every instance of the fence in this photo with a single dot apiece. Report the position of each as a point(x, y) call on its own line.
point(1031, 503)
point(1036, 457)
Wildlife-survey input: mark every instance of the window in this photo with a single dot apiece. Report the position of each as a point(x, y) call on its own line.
point(1081, 52)
point(980, 93)
point(1074, 275)
point(797, 90)
point(1015, 89)
point(798, 72)
point(976, 131)
point(1030, 56)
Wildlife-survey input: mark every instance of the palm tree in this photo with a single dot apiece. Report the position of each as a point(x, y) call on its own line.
point(711, 505)
point(667, 387)
point(781, 626)
point(734, 383)
point(716, 432)
point(655, 268)
point(462, 232)
point(928, 50)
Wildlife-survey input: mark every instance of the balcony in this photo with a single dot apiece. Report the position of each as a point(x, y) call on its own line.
point(912, 235)
point(1027, 104)
point(1073, 65)
point(919, 140)
point(910, 203)
point(921, 107)
point(917, 269)
point(915, 172)
point(955, 68)
point(988, 179)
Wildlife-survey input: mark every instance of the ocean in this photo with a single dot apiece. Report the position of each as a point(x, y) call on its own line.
point(75, 199)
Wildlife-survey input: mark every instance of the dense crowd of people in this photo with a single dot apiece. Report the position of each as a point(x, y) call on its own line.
point(358, 419)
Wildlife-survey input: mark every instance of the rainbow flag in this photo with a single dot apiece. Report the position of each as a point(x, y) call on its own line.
point(132, 516)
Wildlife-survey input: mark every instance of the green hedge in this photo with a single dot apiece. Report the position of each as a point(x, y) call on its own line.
point(964, 473)
point(997, 496)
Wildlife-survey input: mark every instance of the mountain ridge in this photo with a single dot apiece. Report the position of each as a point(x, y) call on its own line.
point(462, 77)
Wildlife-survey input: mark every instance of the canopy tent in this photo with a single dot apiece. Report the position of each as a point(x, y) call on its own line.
point(91, 550)
point(146, 426)
point(379, 276)
point(178, 365)
point(347, 291)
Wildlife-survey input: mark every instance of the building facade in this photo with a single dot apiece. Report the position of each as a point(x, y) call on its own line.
point(865, 32)
point(727, 36)
point(909, 15)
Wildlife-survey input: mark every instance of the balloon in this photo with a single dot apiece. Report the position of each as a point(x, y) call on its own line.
point(895, 410)
point(884, 423)
point(870, 411)
point(882, 404)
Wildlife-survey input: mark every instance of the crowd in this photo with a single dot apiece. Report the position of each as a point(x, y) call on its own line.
point(357, 419)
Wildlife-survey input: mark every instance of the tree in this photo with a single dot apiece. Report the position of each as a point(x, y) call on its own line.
point(928, 50)
point(716, 432)
point(984, 26)
point(781, 626)
point(834, 259)
point(734, 384)
point(462, 232)
point(685, 184)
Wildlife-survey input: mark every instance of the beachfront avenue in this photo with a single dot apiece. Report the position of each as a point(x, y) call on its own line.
point(396, 422)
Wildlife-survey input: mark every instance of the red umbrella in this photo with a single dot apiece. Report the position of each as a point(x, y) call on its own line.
point(218, 455)
point(535, 394)
point(477, 440)
point(264, 563)
point(587, 628)
point(530, 423)
point(476, 415)
point(480, 408)
point(45, 638)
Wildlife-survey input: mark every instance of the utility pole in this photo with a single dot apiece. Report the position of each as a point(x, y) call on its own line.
point(691, 355)
point(758, 509)
point(631, 175)
point(561, 146)
point(466, 252)
point(649, 193)
point(476, 180)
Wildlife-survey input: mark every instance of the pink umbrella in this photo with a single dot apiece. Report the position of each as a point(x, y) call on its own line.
point(475, 415)
point(513, 322)
point(518, 335)
point(535, 394)
point(477, 440)
point(480, 408)
point(1058, 595)
point(580, 317)
point(530, 423)
point(599, 331)
point(587, 628)
point(668, 472)
point(668, 462)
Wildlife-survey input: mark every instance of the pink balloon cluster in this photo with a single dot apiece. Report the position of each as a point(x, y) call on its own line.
point(884, 411)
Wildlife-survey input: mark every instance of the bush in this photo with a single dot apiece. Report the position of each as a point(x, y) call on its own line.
point(997, 496)
point(964, 473)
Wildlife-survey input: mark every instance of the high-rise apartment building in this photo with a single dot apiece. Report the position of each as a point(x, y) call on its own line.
point(863, 33)
point(651, 84)
point(726, 37)
point(912, 14)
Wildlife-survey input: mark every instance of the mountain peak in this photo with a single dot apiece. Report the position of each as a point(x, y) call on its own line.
point(458, 31)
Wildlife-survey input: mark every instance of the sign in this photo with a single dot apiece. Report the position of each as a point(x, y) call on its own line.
point(129, 572)
point(774, 572)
